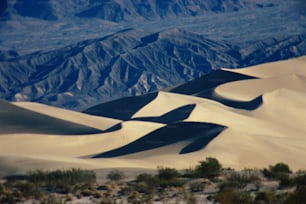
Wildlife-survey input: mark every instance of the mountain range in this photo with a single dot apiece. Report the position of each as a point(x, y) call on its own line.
point(79, 53)
point(116, 10)
point(127, 63)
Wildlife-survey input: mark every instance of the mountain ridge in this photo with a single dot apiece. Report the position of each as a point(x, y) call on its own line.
point(118, 11)
point(129, 62)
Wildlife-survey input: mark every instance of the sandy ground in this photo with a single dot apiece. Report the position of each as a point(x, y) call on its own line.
point(274, 132)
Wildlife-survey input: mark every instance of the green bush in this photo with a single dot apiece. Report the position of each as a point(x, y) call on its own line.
point(209, 168)
point(281, 172)
point(169, 177)
point(301, 179)
point(167, 173)
point(190, 173)
point(148, 179)
point(59, 177)
point(197, 186)
point(298, 197)
point(267, 197)
point(274, 171)
point(241, 179)
point(115, 175)
point(233, 197)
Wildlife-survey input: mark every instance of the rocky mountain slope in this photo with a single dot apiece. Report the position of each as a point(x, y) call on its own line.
point(130, 62)
point(116, 10)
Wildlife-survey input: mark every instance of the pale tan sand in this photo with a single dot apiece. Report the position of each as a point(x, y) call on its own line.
point(165, 102)
point(275, 69)
point(253, 138)
point(101, 123)
point(274, 132)
point(15, 119)
point(74, 146)
point(247, 90)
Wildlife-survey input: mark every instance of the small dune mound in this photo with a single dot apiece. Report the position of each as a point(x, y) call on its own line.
point(14, 119)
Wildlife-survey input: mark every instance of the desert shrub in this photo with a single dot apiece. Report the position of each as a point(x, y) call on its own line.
point(300, 179)
point(58, 177)
point(230, 196)
point(274, 171)
point(19, 190)
point(62, 181)
point(146, 183)
point(169, 177)
point(135, 198)
point(280, 168)
point(165, 173)
point(52, 199)
point(189, 173)
point(115, 175)
point(106, 201)
point(241, 179)
point(281, 172)
point(267, 197)
point(148, 179)
point(191, 199)
point(209, 168)
point(285, 180)
point(298, 196)
point(197, 186)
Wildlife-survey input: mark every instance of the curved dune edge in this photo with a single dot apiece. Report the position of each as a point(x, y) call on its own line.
point(15, 119)
point(198, 135)
point(101, 123)
point(74, 146)
point(274, 132)
point(249, 89)
point(274, 69)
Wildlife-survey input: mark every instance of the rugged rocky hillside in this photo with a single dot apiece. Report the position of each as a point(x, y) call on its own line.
point(130, 62)
point(116, 10)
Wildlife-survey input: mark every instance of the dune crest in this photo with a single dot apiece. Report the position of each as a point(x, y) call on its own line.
point(249, 89)
point(275, 69)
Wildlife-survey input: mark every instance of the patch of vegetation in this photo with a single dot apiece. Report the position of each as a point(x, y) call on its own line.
point(277, 169)
point(298, 196)
point(209, 168)
point(239, 179)
point(115, 175)
point(197, 186)
point(231, 196)
point(266, 197)
point(168, 185)
point(281, 172)
point(35, 184)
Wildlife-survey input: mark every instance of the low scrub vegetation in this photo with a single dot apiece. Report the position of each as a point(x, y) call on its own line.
point(206, 181)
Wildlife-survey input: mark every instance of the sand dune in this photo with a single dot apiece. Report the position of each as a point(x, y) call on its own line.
point(198, 134)
point(237, 91)
point(123, 108)
point(205, 117)
point(100, 122)
point(74, 145)
point(176, 115)
point(275, 69)
point(14, 119)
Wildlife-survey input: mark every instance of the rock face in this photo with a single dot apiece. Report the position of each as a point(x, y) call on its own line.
point(128, 63)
